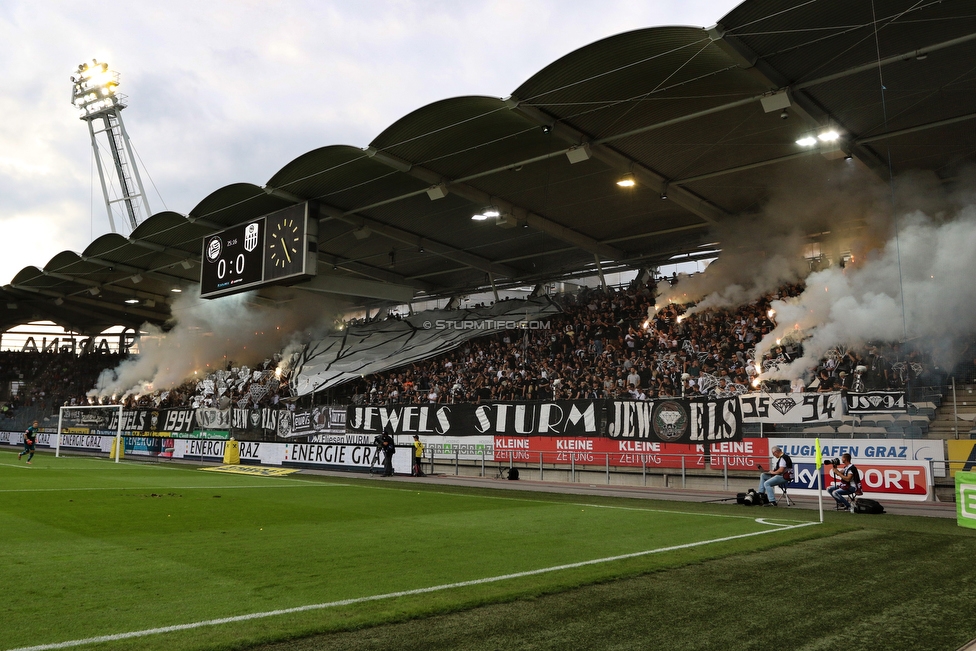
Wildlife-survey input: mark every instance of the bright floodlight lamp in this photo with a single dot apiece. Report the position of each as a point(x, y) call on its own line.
point(487, 213)
point(94, 89)
point(828, 136)
point(627, 181)
point(807, 141)
point(94, 92)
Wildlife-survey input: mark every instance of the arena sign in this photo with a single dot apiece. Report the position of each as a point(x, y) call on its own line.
point(794, 408)
point(877, 402)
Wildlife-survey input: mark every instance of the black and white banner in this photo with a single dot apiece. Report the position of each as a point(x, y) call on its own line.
point(181, 421)
point(877, 402)
point(796, 408)
point(562, 417)
point(676, 420)
point(381, 345)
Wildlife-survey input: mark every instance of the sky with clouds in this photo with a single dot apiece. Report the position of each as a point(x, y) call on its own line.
point(226, 91)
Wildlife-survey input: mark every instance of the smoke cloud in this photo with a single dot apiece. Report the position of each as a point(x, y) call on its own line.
point(918, 285)
point(764, 251)
point(210, 333)
point(912, 246)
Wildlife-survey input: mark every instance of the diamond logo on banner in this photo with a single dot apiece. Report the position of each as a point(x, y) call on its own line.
point(875, 400)
point(257, 392)
point(784, 405)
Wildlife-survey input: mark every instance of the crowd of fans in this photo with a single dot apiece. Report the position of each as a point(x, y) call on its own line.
point(604, 344)
point(49, 379)
point(242, 387)
point(618, 344)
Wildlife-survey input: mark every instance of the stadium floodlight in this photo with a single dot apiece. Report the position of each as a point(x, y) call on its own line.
point(807, 141)
point(627, 181)
point(828, 136)
point(94, 92)
point(94, 89)
point(132, 301)
point(487, 213)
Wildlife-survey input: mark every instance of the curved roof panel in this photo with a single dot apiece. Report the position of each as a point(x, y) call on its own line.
point(236, 203)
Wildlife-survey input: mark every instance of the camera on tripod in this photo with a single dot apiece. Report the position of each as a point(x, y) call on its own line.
point(834, 462)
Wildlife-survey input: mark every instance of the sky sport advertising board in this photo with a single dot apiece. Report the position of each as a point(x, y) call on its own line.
point(891, 468)
point(894, 469)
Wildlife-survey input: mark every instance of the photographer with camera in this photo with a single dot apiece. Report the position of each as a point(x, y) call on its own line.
point(780, 472)
point(849, 481)
point(388, 445)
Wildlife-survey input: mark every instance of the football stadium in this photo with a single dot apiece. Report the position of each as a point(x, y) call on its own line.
point(673, 347)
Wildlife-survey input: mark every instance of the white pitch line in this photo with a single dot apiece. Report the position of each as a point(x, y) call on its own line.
point(389, 595)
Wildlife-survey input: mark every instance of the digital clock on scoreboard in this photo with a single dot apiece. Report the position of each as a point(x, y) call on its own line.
point(273, 249)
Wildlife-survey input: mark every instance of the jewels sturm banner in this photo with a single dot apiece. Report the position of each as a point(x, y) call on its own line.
point(676, 420)
point(572, 417)
point(670, 421)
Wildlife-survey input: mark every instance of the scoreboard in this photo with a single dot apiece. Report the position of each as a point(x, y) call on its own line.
point(278, 248)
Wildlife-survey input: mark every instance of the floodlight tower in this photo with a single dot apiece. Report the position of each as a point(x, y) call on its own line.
point(94, 94)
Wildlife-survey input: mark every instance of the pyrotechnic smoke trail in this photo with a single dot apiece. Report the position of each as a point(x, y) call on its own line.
point(208, 334)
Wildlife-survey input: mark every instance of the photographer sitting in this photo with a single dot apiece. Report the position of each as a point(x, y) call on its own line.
point(780, 472)
point(849, 482)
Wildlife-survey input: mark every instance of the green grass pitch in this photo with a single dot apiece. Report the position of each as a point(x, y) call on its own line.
point(92, 549)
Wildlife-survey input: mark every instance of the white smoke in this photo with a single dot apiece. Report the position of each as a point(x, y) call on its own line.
point(210, 333)
point(919, 284)
point(763, 252)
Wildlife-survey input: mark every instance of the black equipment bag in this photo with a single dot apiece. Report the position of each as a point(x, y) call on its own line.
point(865, 505)
point(513, 473)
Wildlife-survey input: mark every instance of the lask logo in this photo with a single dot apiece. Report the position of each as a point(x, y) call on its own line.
point(967, 501)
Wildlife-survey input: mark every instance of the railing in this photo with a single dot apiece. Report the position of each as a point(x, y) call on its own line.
point(567, 462)
point(721, 469)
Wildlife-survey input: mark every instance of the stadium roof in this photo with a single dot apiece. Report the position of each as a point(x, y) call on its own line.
point(692, 114)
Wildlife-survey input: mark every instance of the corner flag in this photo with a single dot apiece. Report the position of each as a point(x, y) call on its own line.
point(819, 453)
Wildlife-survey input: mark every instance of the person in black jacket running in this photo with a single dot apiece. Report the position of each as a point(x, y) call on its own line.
point(30, 438)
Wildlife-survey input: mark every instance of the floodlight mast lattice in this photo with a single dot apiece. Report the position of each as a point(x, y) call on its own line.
point(94, 93)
